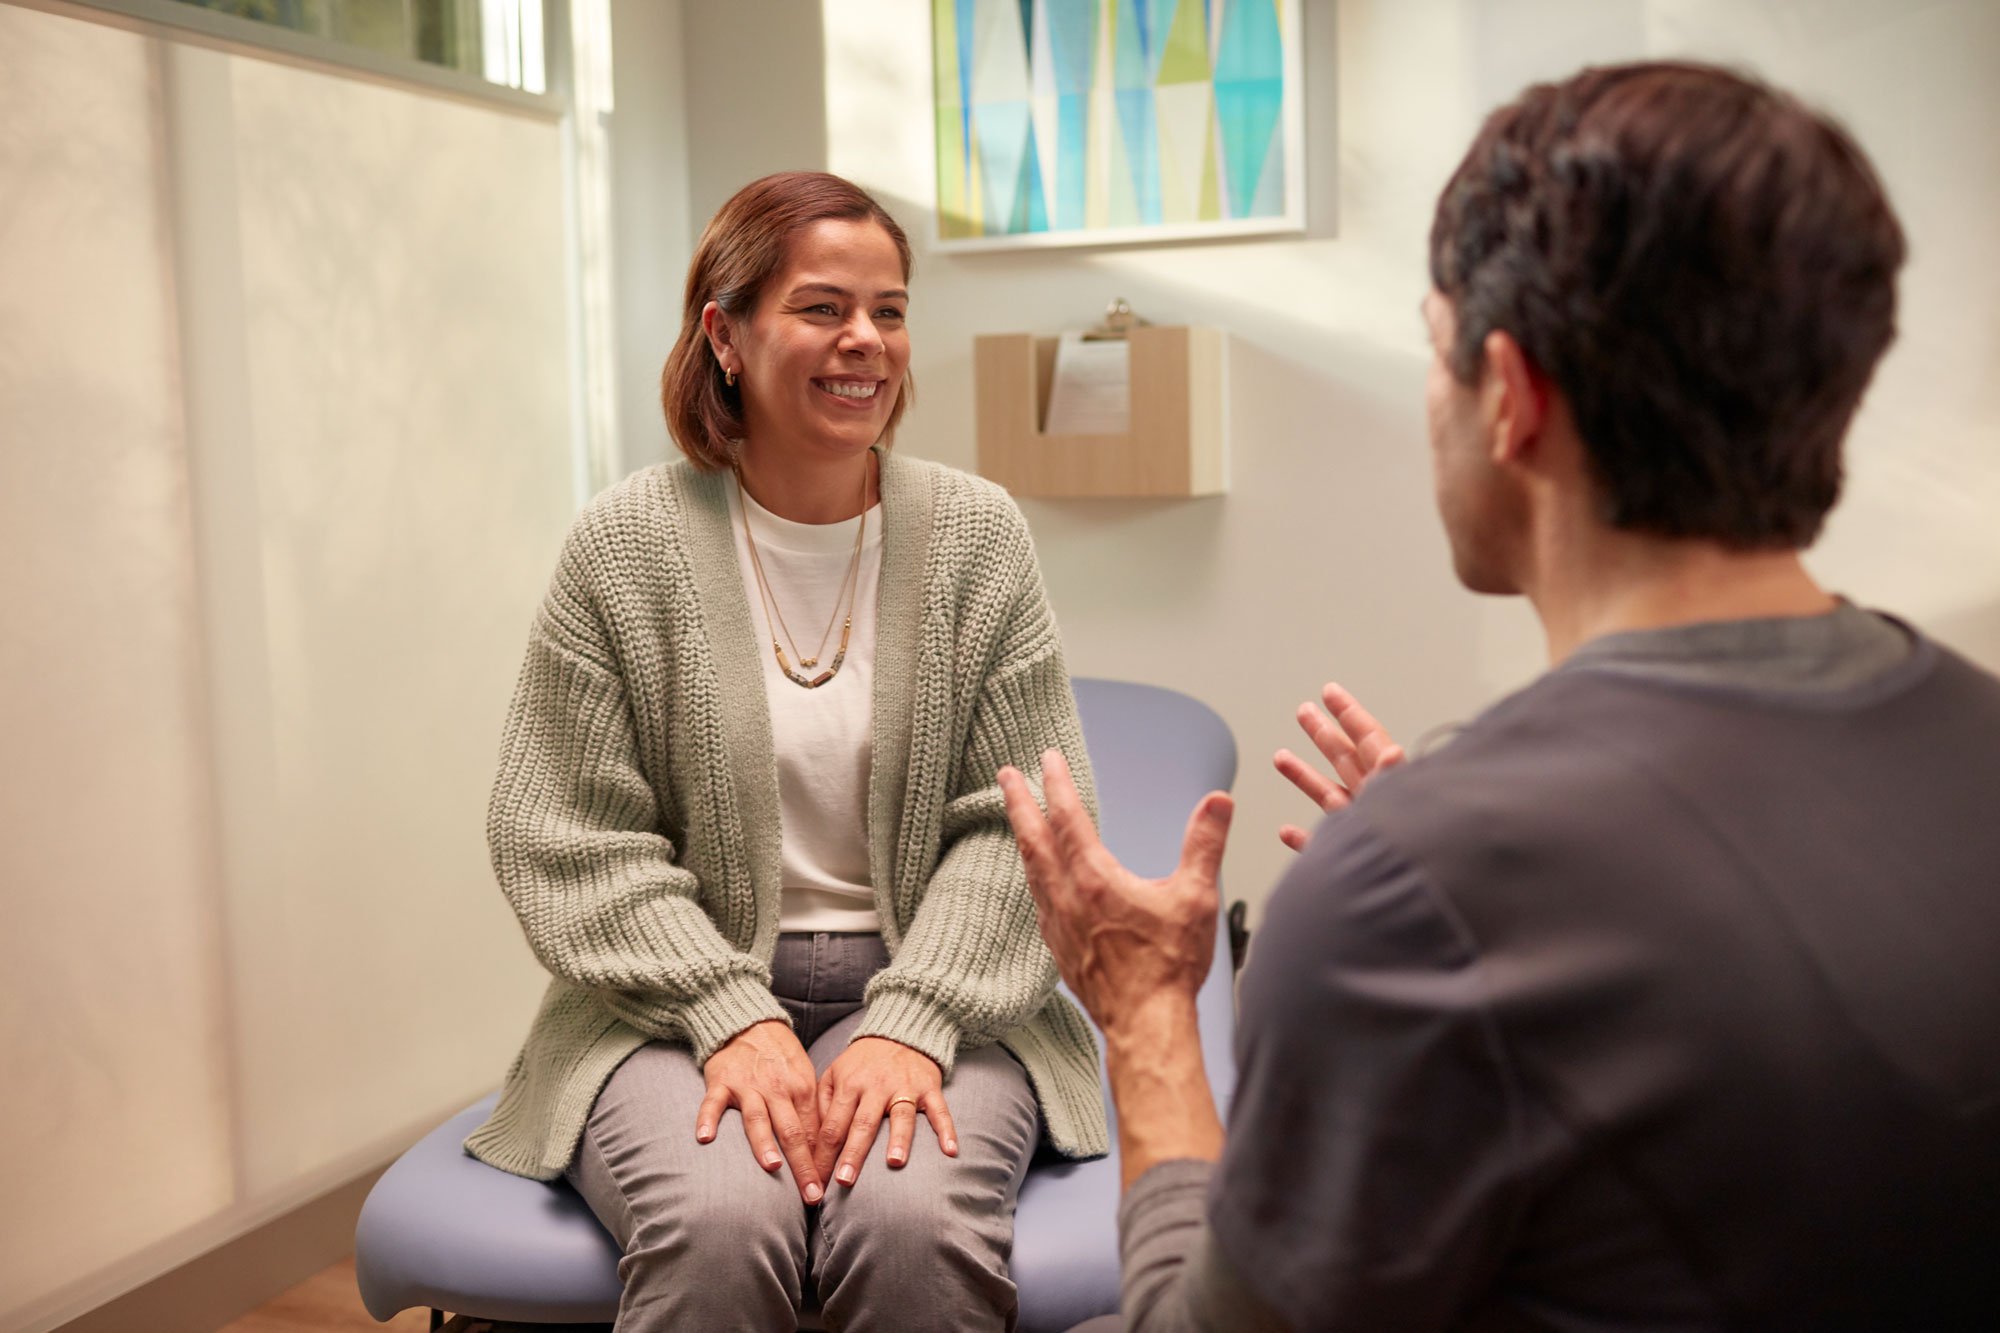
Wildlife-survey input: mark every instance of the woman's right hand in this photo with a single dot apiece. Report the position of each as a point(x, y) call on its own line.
point(764, 1073)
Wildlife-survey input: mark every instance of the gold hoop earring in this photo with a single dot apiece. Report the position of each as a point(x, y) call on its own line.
point(729, 378)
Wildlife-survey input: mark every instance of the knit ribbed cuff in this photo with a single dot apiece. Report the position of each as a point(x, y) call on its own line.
point(920, 1024)
point(734, 1004)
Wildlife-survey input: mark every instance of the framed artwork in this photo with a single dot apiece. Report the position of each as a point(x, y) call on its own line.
point(1095, 122)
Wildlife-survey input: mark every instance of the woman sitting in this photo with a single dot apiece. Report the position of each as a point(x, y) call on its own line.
point(748, 817)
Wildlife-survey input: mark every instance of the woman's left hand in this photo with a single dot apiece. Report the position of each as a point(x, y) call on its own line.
point(876, 1077)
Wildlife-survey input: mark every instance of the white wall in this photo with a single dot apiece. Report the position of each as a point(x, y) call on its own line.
point(403, 308)
point(285, 387)
point(1325, 558)
point(111, 1028)
point(651, 179)
point(757, 102)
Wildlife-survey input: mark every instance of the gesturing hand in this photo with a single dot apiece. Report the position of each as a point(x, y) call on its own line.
point(1118, 940)
point(876, 1077)
point(763, 1072)
point(1351, 740)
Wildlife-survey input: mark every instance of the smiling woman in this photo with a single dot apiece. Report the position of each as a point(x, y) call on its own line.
point(819, 366)
point(764, 931)
point(809, 270)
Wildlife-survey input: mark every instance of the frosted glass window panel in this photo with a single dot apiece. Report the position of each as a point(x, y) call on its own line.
point(512, 44)
point(388, 26)
point(115, 1098)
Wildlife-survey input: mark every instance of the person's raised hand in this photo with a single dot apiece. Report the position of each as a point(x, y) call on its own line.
point(765, 1074)
point(872, 1080)
point(1352, 742)
point(1118, 940)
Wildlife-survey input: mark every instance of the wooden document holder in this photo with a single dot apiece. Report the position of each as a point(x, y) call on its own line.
point(1178, 432)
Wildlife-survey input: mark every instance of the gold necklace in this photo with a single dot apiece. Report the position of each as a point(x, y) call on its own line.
point(774, 619)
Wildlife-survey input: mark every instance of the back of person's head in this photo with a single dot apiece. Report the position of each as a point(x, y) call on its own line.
point(1703, 267)
point(746, 245)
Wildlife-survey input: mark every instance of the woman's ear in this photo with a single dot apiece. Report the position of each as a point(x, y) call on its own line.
point(721, 337)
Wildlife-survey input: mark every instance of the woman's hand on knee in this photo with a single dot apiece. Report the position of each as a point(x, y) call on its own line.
point(764, 1073)
point(876, 1079)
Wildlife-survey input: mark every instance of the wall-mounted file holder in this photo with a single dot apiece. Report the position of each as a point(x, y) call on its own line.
point(1177, 441)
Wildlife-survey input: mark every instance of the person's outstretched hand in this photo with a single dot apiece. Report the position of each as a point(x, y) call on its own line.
point(1351, 740)
point(763, 1072)
point(1119, 941)
point(872, 1080)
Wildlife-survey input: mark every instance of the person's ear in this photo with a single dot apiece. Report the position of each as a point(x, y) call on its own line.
point(721, 337)
point(1515, 398)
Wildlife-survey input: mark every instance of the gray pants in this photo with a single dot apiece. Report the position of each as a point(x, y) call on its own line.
point(712, 1241)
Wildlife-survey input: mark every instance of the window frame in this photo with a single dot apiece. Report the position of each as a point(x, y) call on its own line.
point(311, 48)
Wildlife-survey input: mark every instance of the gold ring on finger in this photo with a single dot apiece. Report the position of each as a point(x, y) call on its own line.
point(900, 1100)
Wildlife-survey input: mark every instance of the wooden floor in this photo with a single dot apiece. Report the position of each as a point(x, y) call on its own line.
point(329, 1302)
point(326, 1302)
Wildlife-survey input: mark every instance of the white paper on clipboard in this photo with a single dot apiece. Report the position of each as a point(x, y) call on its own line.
point(1090, 392)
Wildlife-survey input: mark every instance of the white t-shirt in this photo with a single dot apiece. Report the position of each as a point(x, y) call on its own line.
point(823, 738)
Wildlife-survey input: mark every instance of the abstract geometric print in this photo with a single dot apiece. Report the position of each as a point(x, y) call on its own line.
point(1078, 119)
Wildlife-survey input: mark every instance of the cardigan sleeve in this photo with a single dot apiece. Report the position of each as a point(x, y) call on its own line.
point(574, 831)
point(972, 964)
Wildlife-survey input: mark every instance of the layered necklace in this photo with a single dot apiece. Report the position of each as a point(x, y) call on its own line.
point(775, 621)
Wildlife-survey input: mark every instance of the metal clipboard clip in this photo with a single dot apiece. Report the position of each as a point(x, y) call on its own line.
point(1117, 324)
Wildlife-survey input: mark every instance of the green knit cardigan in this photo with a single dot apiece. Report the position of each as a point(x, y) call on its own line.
point(634, 821)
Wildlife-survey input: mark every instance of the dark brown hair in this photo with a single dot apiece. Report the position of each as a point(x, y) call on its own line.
point(743, 247)
point(1704, 267)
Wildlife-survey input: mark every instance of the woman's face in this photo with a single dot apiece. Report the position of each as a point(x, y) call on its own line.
point(820, 363)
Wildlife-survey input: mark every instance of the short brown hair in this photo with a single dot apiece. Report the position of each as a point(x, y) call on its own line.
point(1703, 266)
point(743, 247)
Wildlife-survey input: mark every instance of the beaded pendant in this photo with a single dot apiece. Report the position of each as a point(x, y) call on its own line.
point(814, 682)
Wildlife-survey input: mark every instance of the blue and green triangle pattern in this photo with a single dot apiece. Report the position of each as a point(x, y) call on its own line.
point(1084, 115)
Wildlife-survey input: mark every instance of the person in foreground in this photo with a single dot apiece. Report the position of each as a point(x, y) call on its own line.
point(801, 1024)
point(1665, 996)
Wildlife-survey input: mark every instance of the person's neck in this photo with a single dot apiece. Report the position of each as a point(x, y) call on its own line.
point(1600, 582)
point(829, 490)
